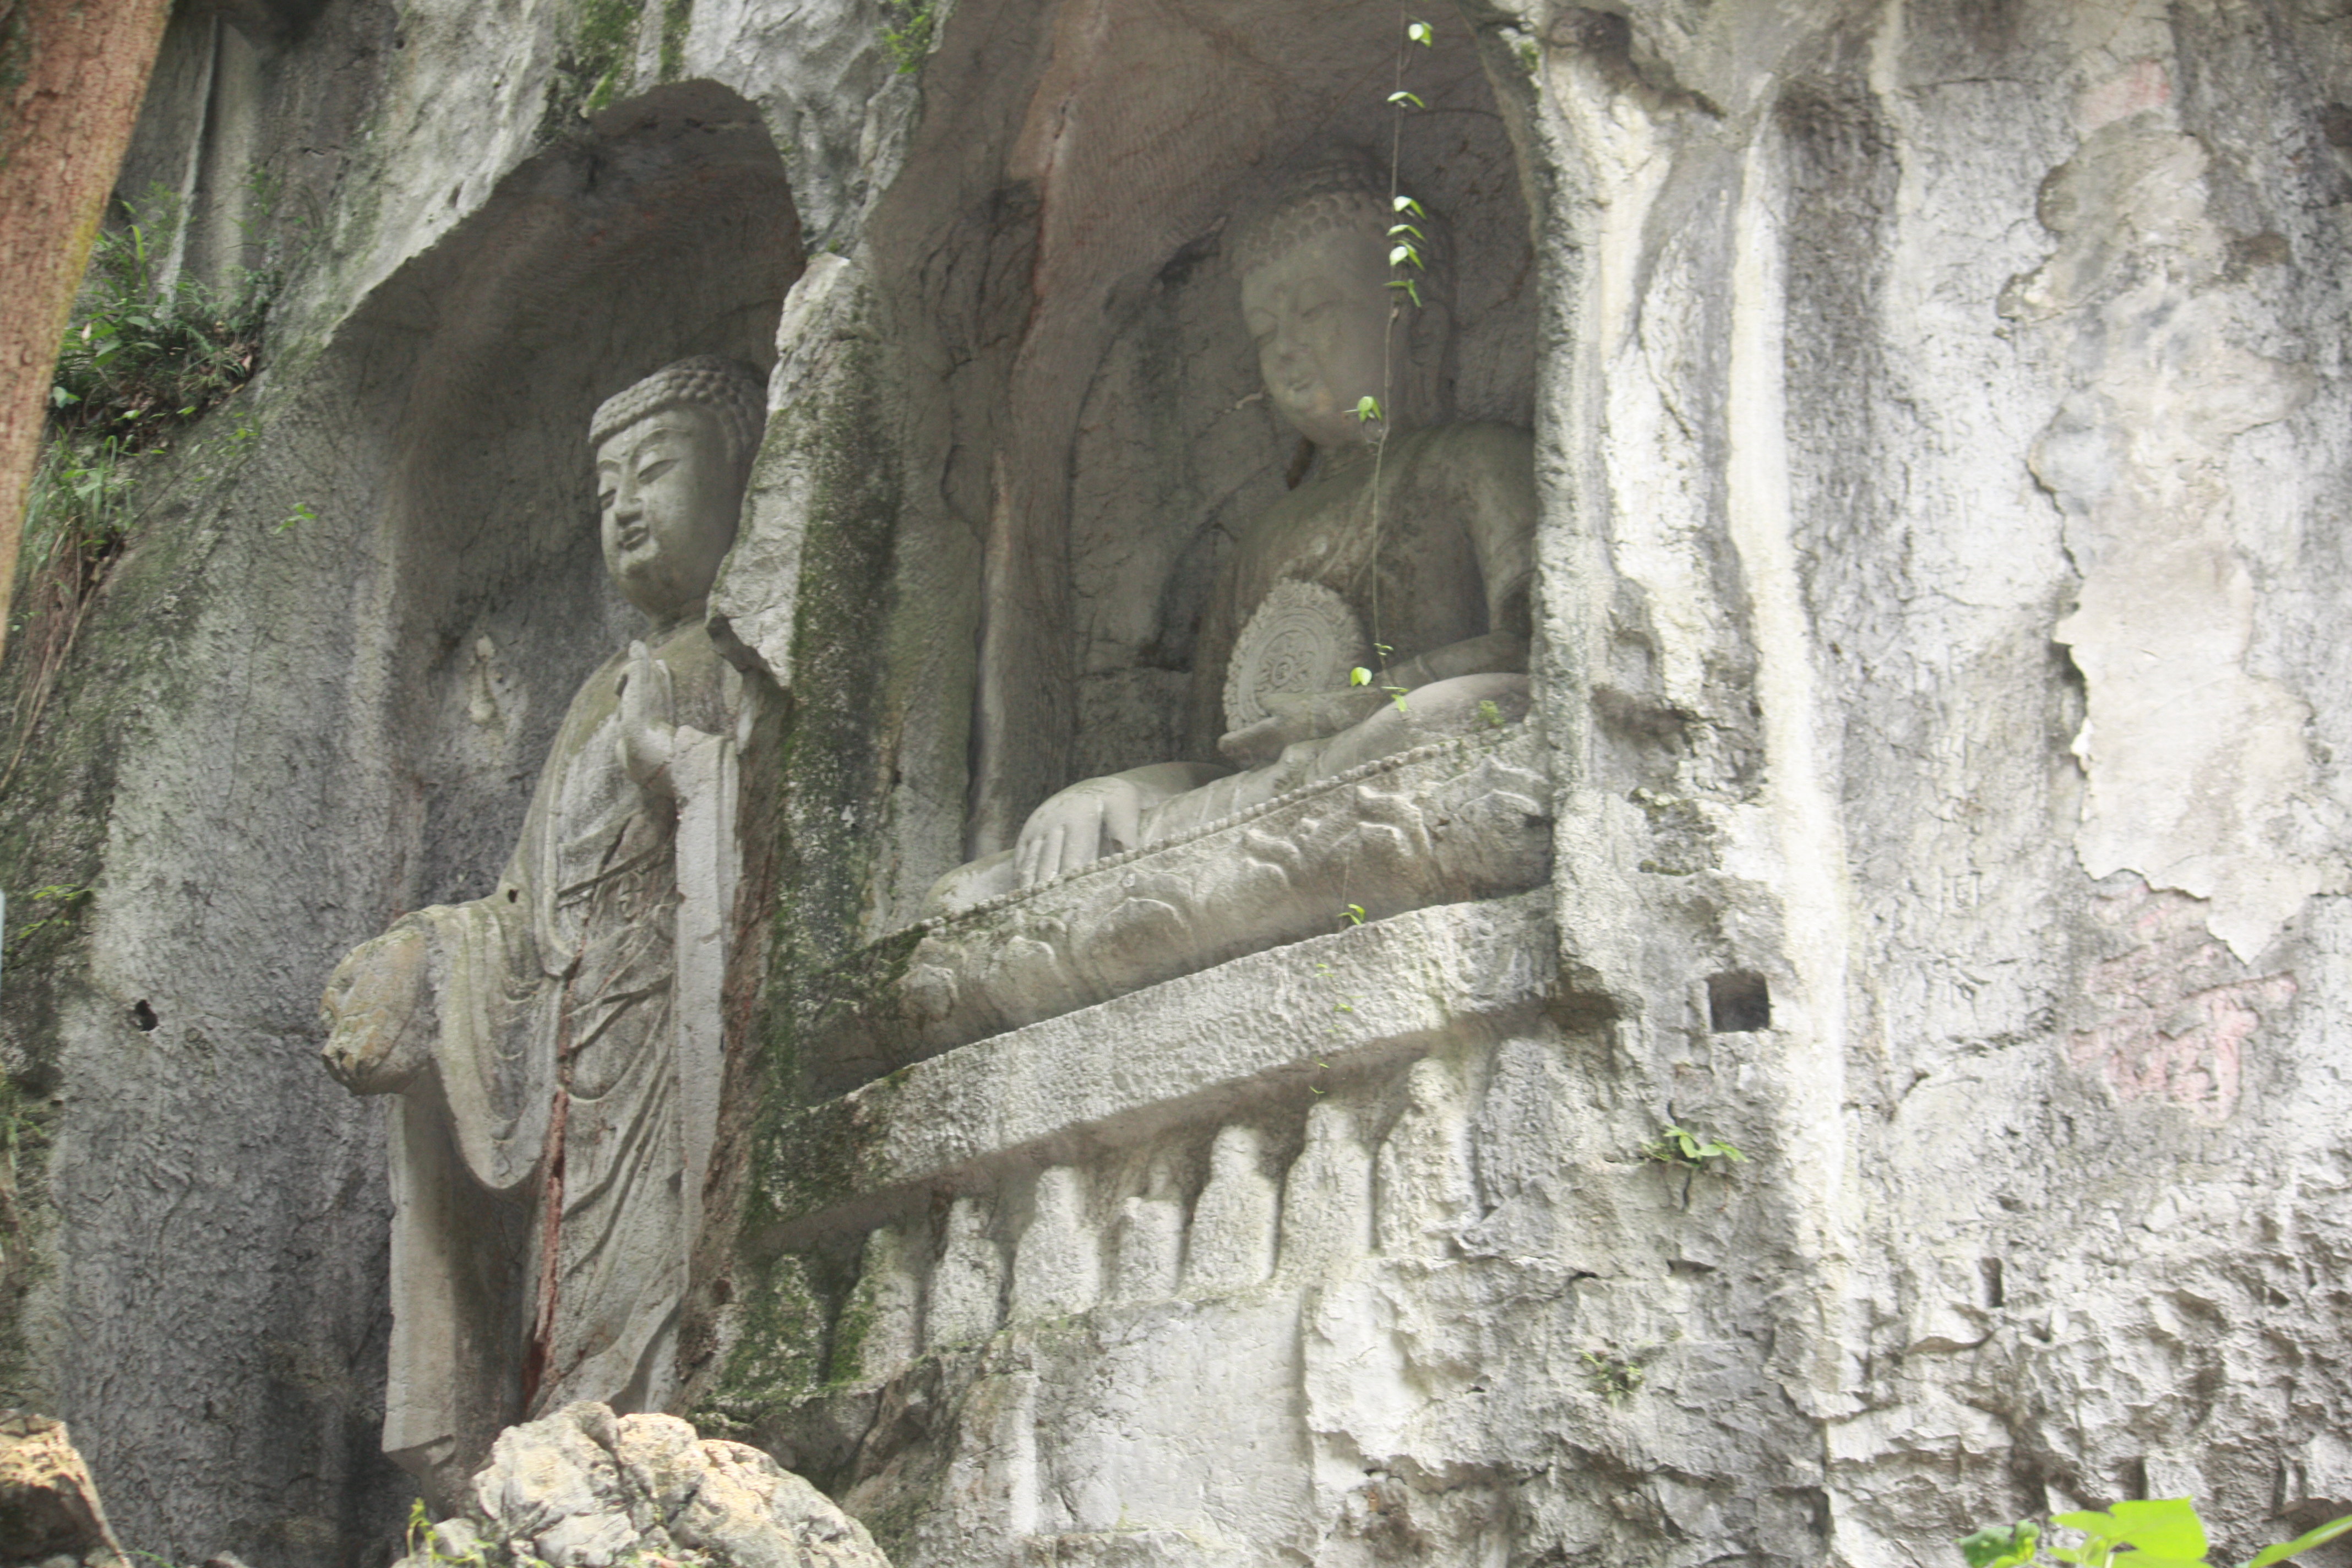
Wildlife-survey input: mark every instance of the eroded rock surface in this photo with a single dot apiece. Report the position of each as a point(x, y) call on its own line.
point(585, 1489)
point(50, 1512)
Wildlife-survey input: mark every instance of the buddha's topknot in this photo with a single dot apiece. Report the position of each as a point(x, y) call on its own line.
point(735, 394)
point(1331, 198)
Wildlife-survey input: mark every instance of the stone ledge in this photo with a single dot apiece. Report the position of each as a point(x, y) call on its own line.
point(1119, 1069)
point(1461, 819)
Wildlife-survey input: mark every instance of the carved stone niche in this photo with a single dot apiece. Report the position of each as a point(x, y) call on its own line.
point(1105, 1193)
point(1160, 756)
point(603, 322)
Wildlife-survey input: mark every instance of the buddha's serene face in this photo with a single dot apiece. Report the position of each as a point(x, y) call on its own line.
point(1319, 312)
point(670, 499)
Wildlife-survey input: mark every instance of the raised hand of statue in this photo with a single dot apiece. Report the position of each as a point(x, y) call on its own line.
point(378, 1011)
point(648, 728)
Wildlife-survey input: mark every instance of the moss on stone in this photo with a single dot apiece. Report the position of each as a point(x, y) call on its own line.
point(676, 17)
point(778, 1356)
point(851, 1326)
point(836, 777)
point(591, 64)
point(126, 663)
point(821, 1155)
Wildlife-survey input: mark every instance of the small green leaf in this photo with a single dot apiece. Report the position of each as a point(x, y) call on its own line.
point(1419, 32)
point(2002, 1546)
point(1368, 407)
point(1360, 676)
point(2105, 1526)
point(1402, 254)
point(2301, 1543)
point(2162, 1527)
point(1405, 228)
point(1401, 98)
point(1407, 205)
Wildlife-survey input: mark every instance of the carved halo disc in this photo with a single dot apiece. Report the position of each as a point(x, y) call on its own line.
point(1303, 639)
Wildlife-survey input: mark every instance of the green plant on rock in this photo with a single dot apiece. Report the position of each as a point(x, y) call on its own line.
point(58, 905)
point(2160, 1532)
point(677, 20)
point(1616, 1378)
point(150, 348)
point(1405, 242)
point(591, 64)
point(907, 26)
point(1679, 1147)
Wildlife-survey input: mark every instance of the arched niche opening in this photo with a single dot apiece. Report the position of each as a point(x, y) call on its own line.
point(1083, 409)
point(665, 229)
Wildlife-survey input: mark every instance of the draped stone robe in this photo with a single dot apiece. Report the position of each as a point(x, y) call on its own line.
point(547, 1169)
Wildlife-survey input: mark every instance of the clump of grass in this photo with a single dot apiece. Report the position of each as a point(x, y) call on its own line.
point(907, 29)
point(149, 350)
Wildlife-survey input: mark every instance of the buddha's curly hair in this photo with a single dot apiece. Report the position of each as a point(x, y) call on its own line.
point(735, 394)
point(1340, 196)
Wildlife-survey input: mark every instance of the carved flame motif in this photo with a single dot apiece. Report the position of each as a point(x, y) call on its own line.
point(1302, 638)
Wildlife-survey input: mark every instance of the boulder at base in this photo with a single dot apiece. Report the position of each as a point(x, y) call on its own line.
point(585, 1489)
point(49, 1505)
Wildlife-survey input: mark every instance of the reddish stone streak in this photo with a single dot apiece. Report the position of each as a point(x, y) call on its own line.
point(2140, 86)
point(542, 1331)
point(2179, 1009)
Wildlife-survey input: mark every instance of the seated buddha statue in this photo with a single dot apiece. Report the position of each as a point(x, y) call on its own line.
point(1383, 603)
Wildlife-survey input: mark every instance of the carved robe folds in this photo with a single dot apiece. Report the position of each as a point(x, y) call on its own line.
point(548, 1155)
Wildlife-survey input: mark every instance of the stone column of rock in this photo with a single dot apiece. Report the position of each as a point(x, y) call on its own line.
point(1326, 1197)
point(1058, 1266)
point(1150, 1258)
point(884, 1309)
point(1424, 1190)
point(968, 1282)
point(1230, 1244)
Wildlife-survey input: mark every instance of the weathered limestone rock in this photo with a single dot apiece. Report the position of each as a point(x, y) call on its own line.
point(583, 1489)
point(1936, 762)
point(50, 1510)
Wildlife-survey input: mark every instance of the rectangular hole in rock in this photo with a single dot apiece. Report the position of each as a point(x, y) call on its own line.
point(1737, 1002)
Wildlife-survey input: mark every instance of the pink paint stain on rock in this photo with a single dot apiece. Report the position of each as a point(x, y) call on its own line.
point(2178, 1008)
point(2142, 85)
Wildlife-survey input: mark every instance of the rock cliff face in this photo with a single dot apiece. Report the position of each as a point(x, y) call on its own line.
point(1940, 721)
